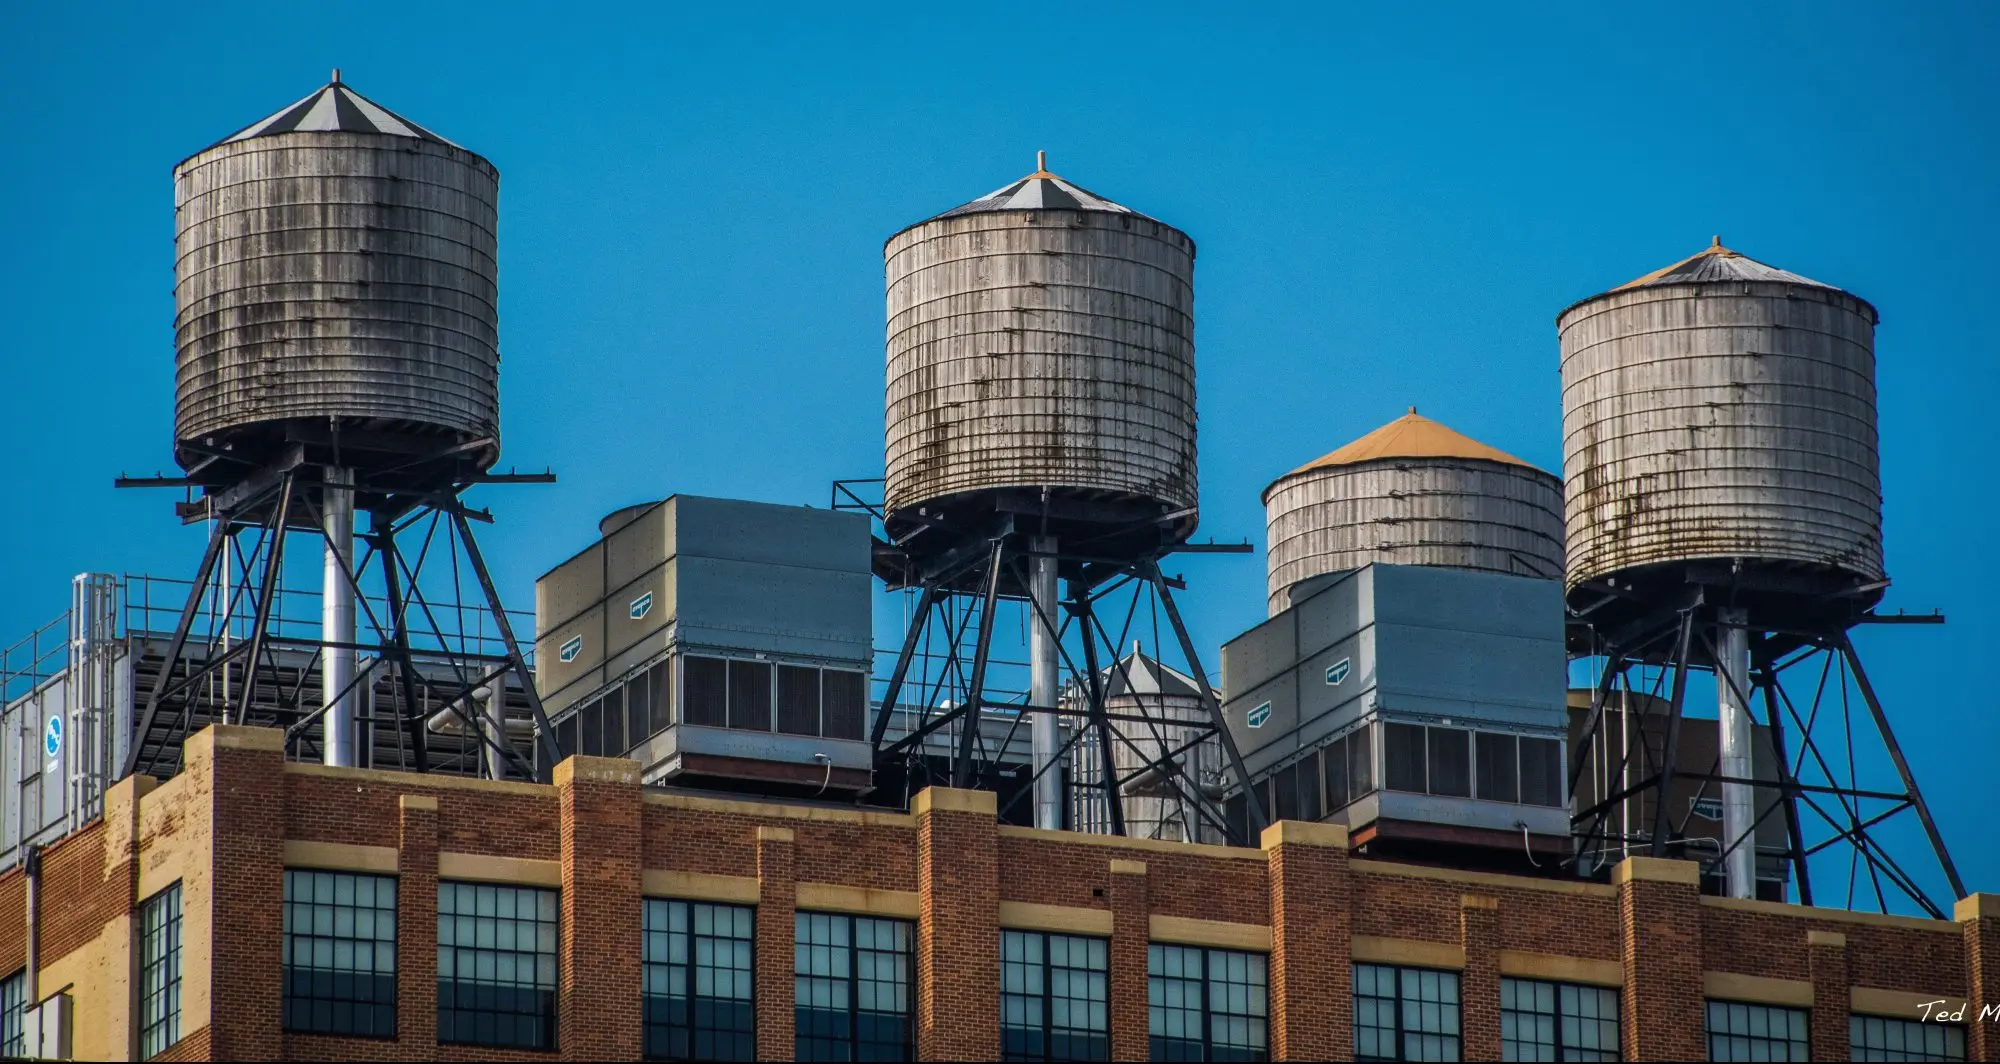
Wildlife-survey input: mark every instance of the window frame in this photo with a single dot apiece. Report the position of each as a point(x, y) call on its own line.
point(287, 998)
point(1205, 983)
point(907, 958)
point(160, 915)
point(1857, 1022)
point(14, 1015)
point(1560, 1047)
point(691, 967)
point(1398, 1009)
point(1709, 1034)
point(551, 1014)
point(1043, 942)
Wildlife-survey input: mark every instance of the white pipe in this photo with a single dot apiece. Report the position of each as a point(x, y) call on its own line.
point(489, 709)
point(337, 725)
point(1043, 656)
point(1739, 800)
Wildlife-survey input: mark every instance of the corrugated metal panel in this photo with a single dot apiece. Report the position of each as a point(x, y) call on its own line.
point(1040, 348)
point(1722, 420)
point(1461, 514)
point(335, 275)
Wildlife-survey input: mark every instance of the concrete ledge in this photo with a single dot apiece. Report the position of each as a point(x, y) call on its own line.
point(1477, 901)
point(1523, 965)
point(1373, 949)
point(514, 871)
point(1900, 1004)
point(779, 810)
point(1977, 907)
point(1061, 919)
point(1186, 931)
point(1656, 870)
point(699, 886)
point(580, 768)
point(1127, 868)
point(840, 898)
point(396, 780)
point(1086, 838)
point(1804, 912)
point(340, 857)
point(1304, 833)
point(1831, 939)
point(1757, 989)
point(1485, 879)
point(771, 833)
point(954, 800)
point(424, 803)
point(243, 737)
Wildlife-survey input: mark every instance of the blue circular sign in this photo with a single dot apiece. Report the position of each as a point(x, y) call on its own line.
point(52, 735)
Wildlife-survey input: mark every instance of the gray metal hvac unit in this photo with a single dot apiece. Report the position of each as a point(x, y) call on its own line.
point(1412, 492)
point(1040, 339)
point(1722, 410)
point(714, 639)
point(1420, 706)
point(334, 279)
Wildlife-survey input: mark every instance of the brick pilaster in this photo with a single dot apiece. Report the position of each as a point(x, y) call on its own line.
point(1312, 969)
point(777, 929)
point(1980, 915)
point(1131, 935)
point(1479, 987)
point(1826, 960)
point(601, 1006)
point(242, 908)
point(958, 921)
point(1659, 911)
point(121, 875)
point(416, 927)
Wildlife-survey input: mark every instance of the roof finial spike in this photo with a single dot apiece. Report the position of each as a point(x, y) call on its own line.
point(1715, 241)
point(1041, 162)
point(1413, 411)
point(336, 75)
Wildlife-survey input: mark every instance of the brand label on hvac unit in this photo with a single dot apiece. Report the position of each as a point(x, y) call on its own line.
point(1256, 717)
point(1337, 671)
point(1706, 808)
point(569, 650)
point(52, 735)
point(641, 606)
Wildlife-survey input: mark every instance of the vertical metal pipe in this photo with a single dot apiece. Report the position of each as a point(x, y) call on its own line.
point(337, 620)
point(1043, 652)
point(489, 709)
point(1737, 737)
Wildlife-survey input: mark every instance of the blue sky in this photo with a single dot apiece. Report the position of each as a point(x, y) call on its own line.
point(1390, 210)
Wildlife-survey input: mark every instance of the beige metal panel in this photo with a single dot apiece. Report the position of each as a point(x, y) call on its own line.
point(650, 597)
point(1720, 420)
point(638, 547)
point(336, 275)
point(1042, 348)
point(569, 589)
point(1454, 513)
point(587, 631)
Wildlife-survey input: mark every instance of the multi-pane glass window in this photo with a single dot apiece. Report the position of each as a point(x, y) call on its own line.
point(1557, 1021)
point(1053, 997)
point(1207, 1004)
point(1405, 1013)
point(1738, 1031)
point(1457, 763)
point(1881, 1038)
point(698, 981)
point(160, 972)
point(340, 953)
point(13, 1015)
point(852, 987)
point(496, 965)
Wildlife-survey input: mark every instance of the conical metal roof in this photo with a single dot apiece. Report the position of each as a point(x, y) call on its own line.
point(1040, 190)
point(1149, 678)
point(1411, 436)
point(1718, 263)
point(334, 108)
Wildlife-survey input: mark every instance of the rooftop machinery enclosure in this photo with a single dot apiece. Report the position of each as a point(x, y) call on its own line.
point(1412, 492)
point(334, 269)
point(1040, 337)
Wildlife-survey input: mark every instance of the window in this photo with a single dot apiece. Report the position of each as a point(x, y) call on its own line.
point(1206, 1004)
point(1880, 1038)
point(852, 988)
point(496, 965)
point(1053, 994)
point(13, 1015)
point(698, 981)
point(1557, 1021)
point(160, 972)
point(340, 953)
point(1456, 763)
point(1405, 1013)
point(1737, 1031)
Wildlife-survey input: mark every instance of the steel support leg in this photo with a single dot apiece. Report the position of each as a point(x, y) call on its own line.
point(1661, 812)
point(545, 734)
point(274, 556)
point(970, 713)
point(1114, 803)
point(1259, 819)
point(919, 620)
point(218, 539)
point(1902, 767)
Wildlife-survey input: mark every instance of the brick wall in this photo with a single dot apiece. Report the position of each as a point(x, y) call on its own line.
point(959, 877)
